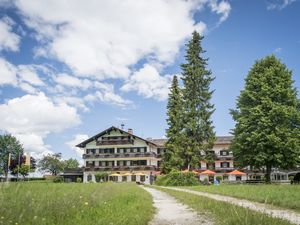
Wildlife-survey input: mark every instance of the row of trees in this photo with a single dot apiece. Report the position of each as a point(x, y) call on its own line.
point(267, 116)
point(13, 160)
point(190, 133)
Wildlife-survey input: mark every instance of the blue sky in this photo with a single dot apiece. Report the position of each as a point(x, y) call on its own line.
point(69, 69)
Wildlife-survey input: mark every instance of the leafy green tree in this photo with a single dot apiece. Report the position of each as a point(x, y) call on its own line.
point(171, 157)
point(23, 170)
point(198, 130)
point(9, 145)
point(267, 115)
point(71, 163)
point(51, 163)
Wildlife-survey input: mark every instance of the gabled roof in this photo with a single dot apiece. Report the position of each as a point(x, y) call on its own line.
point(82, 144)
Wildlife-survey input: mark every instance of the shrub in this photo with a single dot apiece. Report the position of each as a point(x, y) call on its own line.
point(78, 180)
point(101, 176)
point(176, 178)
point(205, 181)
point(58, 179)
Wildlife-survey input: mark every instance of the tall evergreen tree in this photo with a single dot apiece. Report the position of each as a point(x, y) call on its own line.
point(267, 115)
point(198, 130)
point(171, 158)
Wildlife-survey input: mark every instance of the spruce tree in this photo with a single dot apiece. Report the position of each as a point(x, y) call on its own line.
point(198, 130)
point(267, 115)
point(171, 158)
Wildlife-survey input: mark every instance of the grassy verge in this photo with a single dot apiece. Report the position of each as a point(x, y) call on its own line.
point(287, 196)
point(69, 204)
point(224, 213)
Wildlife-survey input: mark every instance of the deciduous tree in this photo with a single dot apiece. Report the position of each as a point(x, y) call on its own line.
point(267, 115)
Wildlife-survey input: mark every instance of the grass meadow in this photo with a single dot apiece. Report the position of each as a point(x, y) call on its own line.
point(72, 203)
point(223, 213)
point(286, 196)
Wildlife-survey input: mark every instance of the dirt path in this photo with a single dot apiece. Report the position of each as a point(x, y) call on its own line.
point(171, 212)
point(289, 215)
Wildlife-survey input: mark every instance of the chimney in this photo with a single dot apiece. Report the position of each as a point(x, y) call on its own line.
point(130, 131)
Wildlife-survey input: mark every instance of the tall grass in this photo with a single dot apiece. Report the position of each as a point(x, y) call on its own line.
point(223, 213)
point(70, 204)
point(287, 196)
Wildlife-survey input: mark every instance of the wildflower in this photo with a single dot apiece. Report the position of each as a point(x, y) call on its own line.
point(16, 223)
point(80, 196)
point(86, 203)
point(2, 217)
point(34, 217)
point(43, 219)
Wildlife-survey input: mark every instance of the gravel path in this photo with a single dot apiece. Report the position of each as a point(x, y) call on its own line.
point(171, 212)
point(289, 215)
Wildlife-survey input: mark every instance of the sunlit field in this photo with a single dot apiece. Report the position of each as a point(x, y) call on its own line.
point(287, 196)
point(70, 204)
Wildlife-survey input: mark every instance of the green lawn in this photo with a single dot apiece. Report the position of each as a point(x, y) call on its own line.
point(70, 204)
point(287, 196)
point(223, 213)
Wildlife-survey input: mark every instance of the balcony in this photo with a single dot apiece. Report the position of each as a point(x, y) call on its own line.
point(115, 142)
point(123, 168)
point(224, 168)
point(224, 157)
point(119, 155)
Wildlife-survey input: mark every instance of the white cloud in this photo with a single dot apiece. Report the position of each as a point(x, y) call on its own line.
point(279, 4)
point(27, 88)
point(71, 81)
point(78, 138)
point(105, 38)
point(8, 73)
point(222, 8)
point(8, 39)
point(29, 74)
point(33, 117)
point(149, 83)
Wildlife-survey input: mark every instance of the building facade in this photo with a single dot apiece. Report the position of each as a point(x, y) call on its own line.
point(127, 157)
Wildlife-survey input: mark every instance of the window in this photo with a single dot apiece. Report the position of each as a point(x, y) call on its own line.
point(224, 153)
point(225, 164)
point(133, 178)
point(89, 177)
point(238, 178)
point(142, 178)
point(225, 177)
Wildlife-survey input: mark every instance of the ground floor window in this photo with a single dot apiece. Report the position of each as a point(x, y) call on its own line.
point(133, 178)
point(238, 178)
point(143, 178)
point(225, 177)
point(124, 178)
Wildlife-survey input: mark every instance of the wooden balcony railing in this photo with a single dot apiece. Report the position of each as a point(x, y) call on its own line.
point(115, 142)
point(122, 168)
point(119, 155)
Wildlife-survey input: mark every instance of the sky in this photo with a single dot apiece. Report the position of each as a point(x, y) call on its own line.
point(71, 68)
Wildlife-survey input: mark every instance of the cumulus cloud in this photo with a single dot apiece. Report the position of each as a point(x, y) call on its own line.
point(8, 73)
point(33, 117)
point(222, 8)
point(104, 38)
point(8, 39)
point(149, 83)
point(78, 138)
point(71, 81)
point(278, 4)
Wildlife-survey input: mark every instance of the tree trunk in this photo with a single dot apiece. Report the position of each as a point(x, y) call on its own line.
point(268, 174)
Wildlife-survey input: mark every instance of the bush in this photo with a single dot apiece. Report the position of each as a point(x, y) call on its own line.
point(79, 180)
point(206, 181)
point(176, 178)
point(58, 179)
point(101, 176)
